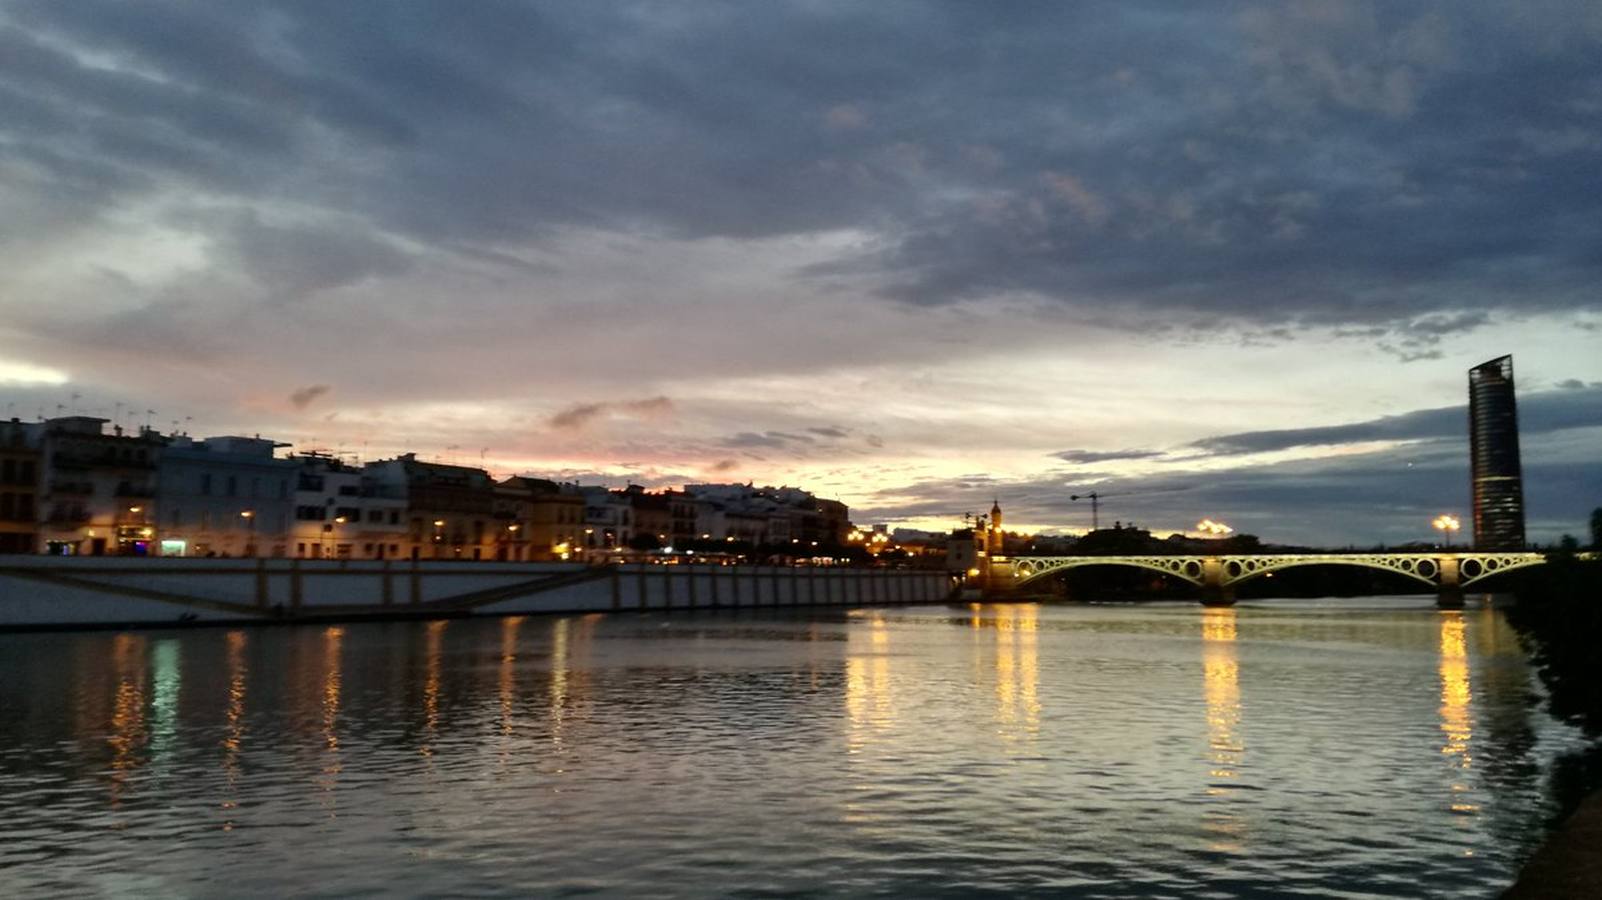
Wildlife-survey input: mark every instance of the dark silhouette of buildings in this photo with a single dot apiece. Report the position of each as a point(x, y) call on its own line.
point(1498, 480)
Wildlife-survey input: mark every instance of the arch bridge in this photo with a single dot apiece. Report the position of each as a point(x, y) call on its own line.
point(1217, 576)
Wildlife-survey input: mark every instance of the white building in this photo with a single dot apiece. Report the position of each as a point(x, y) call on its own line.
point(222, 496)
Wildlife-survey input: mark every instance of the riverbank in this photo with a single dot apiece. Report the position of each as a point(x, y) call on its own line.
point(44, 592)
point(1559, 618)
point(1569, 864)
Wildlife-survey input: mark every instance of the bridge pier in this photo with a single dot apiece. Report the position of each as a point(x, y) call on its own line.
point(1214, 591)
point(1450, 590)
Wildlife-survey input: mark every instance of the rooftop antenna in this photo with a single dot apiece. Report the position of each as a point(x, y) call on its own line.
point(116, 417)
point(149, 414)
point(75, 396)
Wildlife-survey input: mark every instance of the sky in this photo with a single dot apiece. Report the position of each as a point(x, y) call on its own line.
point(1225, 260)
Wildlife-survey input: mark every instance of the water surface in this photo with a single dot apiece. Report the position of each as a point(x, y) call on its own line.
point(1282, 748)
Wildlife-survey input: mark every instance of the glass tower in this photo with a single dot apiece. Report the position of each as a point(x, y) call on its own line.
point(1498, 480)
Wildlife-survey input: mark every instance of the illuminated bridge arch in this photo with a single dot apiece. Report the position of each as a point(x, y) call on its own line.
point(1185, 568)
point(1436, 570)
point(1423, 568)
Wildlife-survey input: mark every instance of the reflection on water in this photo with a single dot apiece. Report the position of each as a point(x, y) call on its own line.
point(333, 637)
point(1328, 750)
point(869, 697)
point(233, 725)
point(1457, 716)
point(1017, 664)
point(1226, 747)
point(435, 643)
point(127, 736)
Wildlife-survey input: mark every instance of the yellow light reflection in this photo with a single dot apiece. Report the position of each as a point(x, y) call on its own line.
point(870, 700)
point(1017, 667)
point(333, 640)
point(508, 671)
point(234, 728)
point(1226, 747)
point(1457, 715)
point(128, 732)
point(431, 661)
point(557, 702)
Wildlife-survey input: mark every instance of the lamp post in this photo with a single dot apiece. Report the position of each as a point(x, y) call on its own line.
point(249, 516)
point(1446, 525)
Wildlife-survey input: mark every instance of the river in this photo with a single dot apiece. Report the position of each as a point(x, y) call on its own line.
point(1317, 748)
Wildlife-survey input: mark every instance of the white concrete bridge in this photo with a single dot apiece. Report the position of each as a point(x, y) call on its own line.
point(1445, 572)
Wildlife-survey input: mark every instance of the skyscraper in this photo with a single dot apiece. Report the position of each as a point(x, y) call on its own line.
point(1498, 480)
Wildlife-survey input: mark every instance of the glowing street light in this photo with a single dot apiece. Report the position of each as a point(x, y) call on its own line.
point(1446, 525)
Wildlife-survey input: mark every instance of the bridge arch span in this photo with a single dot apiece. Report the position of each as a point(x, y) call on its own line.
point(1241, 569)
point(1184, 568)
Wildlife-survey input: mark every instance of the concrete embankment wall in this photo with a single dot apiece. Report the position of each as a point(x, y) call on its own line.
point(42, 592)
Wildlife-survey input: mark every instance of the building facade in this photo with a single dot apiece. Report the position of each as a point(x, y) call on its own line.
point(223, 497)
point(97, 488)
point(450, 510)
point(1497, 477)
point(19, 487)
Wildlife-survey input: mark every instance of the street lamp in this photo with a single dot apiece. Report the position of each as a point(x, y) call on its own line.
point(1446, 525)
point(249, 515)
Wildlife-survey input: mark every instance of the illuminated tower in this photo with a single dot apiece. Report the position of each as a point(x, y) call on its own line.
point(1498, 481)
point(995, 547)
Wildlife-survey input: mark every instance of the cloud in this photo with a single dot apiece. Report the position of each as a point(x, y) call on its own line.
point(1539, 413)
point(1096, 456)
point(581, 415)
point(829, 431)
point(301, 398)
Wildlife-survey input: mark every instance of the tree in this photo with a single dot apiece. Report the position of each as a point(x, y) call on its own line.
point(1596, 528)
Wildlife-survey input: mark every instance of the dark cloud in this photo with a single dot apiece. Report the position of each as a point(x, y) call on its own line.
point(301, 398)
point(829, 431)
point(1539, 413)
point(770, 439)
point(1096, 456)
point(1386, 497)
point(581, 415)
point(1407, 166)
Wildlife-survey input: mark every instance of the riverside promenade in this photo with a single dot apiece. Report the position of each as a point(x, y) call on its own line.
point(68, 592)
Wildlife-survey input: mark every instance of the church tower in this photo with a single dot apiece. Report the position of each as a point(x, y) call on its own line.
point(994, 546)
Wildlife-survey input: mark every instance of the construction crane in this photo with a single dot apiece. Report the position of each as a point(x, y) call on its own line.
point(1095, 498)
point(1095, 508)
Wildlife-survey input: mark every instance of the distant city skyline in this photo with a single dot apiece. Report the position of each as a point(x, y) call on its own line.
point(1217, 262)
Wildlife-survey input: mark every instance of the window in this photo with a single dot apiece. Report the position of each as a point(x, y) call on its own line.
point(176, 518)
point(283, 488)
point(8, 471)
point(394, 517)
point(25, 473)
point(375, 515)
point(205, 483)
point(8, 506)
point(255, 487)
point(25, 508)
point(233, 486)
